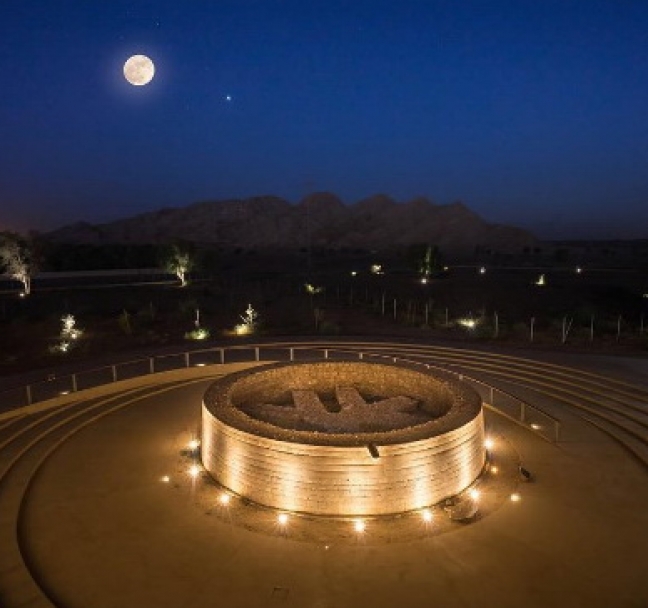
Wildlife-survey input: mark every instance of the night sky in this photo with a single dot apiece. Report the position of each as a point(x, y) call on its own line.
point(531, 113)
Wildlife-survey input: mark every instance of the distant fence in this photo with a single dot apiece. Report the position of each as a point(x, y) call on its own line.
point(54, 386)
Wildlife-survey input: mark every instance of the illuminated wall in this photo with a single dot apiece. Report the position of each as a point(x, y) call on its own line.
point(336, 474)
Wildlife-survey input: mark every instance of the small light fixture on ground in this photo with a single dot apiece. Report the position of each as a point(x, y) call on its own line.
point(224, 499)
point(535, 427)
point(199, 333)
point(165, 479)
point(193, 444)
point(482, 270)
point(313, 289)
point(282, 519)
point(468, 322)
point(515, 497)
point(474, 494)
point(194, 470)
point(359, 526)
point(426, 514)
point(489, 443)
point(494, 470)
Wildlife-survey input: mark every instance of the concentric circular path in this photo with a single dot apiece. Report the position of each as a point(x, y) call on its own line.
point(97, 508)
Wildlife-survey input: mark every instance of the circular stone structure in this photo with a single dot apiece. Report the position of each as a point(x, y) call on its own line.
point(343, 438)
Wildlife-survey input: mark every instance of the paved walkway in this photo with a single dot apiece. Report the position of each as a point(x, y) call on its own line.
point(99, 525)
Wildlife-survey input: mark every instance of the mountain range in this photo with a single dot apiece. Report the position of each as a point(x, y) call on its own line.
point(321, 219)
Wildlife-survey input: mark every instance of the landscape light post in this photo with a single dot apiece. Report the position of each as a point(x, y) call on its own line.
point(592, 328)
point(618, 336)
point(566, 327)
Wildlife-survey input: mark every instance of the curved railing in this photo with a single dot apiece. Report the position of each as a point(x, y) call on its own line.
point(505, 403)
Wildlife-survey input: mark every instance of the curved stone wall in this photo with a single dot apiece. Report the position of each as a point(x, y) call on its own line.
point(292, 460)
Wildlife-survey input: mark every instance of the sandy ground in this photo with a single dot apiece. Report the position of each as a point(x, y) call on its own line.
point(102, 529)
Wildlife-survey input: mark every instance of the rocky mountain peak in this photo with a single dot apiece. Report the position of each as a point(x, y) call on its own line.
point(321, 219)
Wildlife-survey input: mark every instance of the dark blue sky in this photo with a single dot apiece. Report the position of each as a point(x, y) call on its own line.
point(532, 113)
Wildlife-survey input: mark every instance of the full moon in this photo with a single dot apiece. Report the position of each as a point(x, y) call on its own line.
point(139, 70)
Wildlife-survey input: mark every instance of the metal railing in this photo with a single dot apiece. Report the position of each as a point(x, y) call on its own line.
point(509, 405)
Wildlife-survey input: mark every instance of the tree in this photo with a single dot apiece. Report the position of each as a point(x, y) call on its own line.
point(16, 256)
point(180, 263)
point(429, 262)
point(425, 267)
point(424, 259)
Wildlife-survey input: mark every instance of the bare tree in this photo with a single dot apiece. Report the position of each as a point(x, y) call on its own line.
point(16, 258)
point(180, 263)
point(428, 263)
